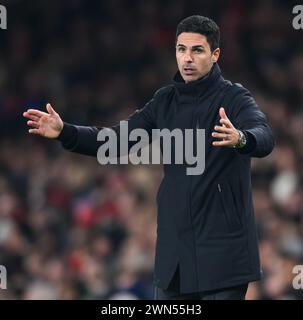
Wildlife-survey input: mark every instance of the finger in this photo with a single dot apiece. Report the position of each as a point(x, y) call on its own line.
point(225, 143)
point(50, 109)
point(33, 124)
point(221, 135)
point(222, 113)
point(223, 129)
point(226, 122)
point(30, 116)
point(34, 131)
point(37, 113)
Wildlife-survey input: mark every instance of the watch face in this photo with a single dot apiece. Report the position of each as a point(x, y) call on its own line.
point(242, 140)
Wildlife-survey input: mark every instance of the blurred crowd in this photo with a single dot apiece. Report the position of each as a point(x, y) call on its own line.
point(73, 229)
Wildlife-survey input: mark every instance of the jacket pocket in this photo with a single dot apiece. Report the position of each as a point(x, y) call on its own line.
point(229, 207)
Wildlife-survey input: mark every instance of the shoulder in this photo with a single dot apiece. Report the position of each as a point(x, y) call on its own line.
point(237, 96)
point(152, 106)
point(237, 99)
point(237, 90)
point(164, 91)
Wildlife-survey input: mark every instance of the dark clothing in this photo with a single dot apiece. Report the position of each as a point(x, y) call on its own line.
point(232, 293)
point(173, 292)
point(206, 223)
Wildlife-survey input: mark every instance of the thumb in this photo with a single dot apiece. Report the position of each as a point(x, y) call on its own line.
point(222, 113)
point(50, 109)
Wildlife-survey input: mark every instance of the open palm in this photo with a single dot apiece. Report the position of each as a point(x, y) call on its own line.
point(48, 125)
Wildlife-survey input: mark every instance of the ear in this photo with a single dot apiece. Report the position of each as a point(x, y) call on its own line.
point(215, 55)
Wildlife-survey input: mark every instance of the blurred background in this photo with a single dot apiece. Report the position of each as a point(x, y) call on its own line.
point(73, 229)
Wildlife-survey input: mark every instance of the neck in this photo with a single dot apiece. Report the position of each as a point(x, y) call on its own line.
point(198, 86)
point(202, 76)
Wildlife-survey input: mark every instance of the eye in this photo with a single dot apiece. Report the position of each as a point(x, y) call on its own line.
point(198, 50)
point(181, 49)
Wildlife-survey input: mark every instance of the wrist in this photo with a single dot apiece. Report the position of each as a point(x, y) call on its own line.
point(67, 132)
point(241, 141)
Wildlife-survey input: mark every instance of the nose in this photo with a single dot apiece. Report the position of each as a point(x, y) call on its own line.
point(188, 57)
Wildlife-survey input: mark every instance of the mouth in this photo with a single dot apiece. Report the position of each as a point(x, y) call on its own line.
point(189, 70)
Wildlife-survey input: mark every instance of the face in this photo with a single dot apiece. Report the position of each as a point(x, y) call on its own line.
point(194, 56)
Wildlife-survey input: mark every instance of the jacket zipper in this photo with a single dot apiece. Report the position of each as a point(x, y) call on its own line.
point(190, 197)
point(219, 187)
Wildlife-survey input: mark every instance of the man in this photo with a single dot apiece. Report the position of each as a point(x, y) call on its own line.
point(206, 238)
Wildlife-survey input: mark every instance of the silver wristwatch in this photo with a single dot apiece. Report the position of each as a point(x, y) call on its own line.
point(242, 140)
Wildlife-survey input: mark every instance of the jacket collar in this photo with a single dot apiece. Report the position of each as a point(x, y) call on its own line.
point(197, 87)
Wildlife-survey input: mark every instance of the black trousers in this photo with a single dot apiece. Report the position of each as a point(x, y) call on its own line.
point(173, 293)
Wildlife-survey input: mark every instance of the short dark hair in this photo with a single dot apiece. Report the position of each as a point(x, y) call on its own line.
point(202, 25)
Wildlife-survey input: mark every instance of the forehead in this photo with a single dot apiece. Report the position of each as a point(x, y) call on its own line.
point(190, 39)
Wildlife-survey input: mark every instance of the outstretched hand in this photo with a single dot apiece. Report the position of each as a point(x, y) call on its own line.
point(48, 125)
point(227, 132)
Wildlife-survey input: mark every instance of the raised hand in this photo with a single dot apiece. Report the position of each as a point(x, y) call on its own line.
point(48, 125)
point(227, 132)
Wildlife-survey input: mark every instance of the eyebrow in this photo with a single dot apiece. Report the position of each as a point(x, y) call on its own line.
point(193, 47)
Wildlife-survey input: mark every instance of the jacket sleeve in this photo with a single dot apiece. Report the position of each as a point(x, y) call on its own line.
point(247, 116)
point(83, 139)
